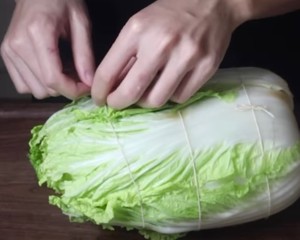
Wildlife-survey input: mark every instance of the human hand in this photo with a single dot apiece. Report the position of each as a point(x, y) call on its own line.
point(31, 53)
point(165, 52)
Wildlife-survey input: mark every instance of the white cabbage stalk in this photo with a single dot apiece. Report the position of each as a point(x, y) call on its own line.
point(229, 155)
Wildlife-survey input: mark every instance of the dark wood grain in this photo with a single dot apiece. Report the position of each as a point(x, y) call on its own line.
point(26, 215)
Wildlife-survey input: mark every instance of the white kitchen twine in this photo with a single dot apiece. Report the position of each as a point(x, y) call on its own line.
point(252, 107)
point(247, 107)
point(130, 172)
point(192, 158)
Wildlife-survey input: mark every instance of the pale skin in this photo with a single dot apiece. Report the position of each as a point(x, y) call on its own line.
point(165, 52)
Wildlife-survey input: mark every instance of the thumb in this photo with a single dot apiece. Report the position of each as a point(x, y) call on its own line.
point(82, 45)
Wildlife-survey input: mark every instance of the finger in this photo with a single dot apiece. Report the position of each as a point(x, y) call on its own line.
point(46, 49)
point(16, 78)
point(194, 80)
point(111, 68)
point(124, 72)
point(31, 68)
point(136, 81)
point(36, 88)
point(127, 68)
point(82, 45)
point(183, 59)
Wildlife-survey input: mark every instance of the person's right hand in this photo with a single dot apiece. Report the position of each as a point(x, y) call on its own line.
point(31, 53)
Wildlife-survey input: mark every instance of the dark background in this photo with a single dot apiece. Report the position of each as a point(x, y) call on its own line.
point(272, 43)
point(24, 210)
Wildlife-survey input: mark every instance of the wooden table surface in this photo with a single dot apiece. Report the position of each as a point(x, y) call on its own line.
point(26, 215)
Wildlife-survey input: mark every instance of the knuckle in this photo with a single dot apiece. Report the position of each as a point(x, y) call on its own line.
point(189, 57)
point(168, 39)
point(84, 21)
point(192, 52)
point(16, 43)
point(80, 14)
point(135, 23)
point(211, 61)
point(41, 22)
point(13, 41)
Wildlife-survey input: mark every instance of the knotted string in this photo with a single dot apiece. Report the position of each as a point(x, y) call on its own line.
point(130, 172)
point(192, 159)
point(247, 107)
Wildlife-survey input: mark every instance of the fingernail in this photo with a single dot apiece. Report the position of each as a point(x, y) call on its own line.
point(88, 76)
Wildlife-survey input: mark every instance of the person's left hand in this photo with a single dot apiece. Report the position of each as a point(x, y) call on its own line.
point(165, 52)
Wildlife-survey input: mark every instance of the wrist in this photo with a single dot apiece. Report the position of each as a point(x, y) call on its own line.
point(245, 10)
point(240, 11)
